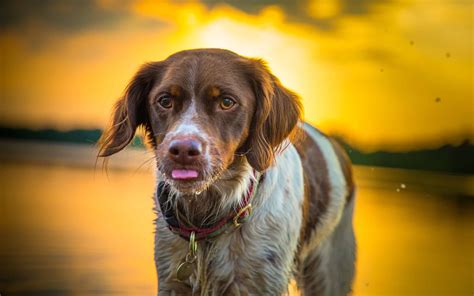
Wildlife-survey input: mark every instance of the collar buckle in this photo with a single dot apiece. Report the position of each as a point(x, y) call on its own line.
point(242, 215)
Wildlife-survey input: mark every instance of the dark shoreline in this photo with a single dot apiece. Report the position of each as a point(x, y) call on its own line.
point(448, 158)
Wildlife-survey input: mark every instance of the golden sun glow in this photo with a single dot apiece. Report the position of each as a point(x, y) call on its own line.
point(396, 77)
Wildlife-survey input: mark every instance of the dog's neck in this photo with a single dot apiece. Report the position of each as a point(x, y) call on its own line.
point(219, 199)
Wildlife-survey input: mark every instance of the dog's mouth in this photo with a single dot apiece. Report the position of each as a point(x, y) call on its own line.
point(189, 177)
point(187, 180)
point(184, 174)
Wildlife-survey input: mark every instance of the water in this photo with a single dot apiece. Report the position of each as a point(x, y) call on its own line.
point(67, 229)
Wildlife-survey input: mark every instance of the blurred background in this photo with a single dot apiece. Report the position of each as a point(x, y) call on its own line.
point(392, 80)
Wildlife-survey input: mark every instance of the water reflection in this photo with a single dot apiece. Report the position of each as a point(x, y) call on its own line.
point(414, 242)
point(69, 231)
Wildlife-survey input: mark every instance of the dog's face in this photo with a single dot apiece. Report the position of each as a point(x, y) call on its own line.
point(200, 112)
point(202, 109)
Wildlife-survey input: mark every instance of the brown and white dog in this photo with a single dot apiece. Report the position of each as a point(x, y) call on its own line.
point(244, 204)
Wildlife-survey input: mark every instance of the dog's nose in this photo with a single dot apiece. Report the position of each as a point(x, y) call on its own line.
point(184, 151)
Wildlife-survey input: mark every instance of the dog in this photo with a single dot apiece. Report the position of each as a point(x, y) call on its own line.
point(248, 197)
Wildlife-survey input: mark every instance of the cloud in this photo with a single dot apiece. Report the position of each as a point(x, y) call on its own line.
point(77, 15)
point(65, 16)
point(372, 75)
point(322, 14)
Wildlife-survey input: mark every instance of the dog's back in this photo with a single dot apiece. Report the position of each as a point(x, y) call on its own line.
point(327, 245)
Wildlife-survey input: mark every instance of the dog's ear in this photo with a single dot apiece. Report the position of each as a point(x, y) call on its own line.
point(130, 111)
point(277, 112)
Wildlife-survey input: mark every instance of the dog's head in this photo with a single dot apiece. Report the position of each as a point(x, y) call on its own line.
point(201, 110)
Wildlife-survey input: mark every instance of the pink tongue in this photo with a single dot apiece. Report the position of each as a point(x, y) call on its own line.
point(184, 174)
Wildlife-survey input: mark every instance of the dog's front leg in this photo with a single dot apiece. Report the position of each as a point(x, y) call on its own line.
point(170, 250)
point(175, 288)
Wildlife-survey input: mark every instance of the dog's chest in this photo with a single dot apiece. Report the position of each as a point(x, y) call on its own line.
point(257, 258)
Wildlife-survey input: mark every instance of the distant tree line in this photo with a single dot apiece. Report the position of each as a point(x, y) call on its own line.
point(81, 136)
point(454, 159)
point(448, 158)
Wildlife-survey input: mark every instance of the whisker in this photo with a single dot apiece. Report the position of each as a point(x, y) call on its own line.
point(143, 163)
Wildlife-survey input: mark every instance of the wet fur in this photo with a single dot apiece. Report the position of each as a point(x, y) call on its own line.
point(301, 226)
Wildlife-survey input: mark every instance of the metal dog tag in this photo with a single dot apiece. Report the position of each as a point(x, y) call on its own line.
point(184, 271)
point(186, 268)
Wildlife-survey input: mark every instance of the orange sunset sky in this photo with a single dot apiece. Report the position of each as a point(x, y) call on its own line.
point(384, 74)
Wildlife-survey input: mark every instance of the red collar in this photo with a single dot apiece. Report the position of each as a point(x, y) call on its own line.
point(233, 221)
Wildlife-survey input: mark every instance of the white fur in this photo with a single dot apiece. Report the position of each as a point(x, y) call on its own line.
point(233, 261)
point(188, 126)
point(337, 192)
point(277, 210)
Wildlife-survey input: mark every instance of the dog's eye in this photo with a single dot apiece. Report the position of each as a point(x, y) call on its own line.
point(226, 103)
point(165, 101)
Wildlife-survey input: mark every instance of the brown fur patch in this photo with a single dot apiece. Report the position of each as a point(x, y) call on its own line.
point(277, 112)
point(175, 91)
point(214, 92)
point(317, 184)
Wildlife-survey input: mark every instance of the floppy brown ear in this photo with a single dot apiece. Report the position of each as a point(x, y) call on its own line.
point(277, 112)
point(130, 111)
